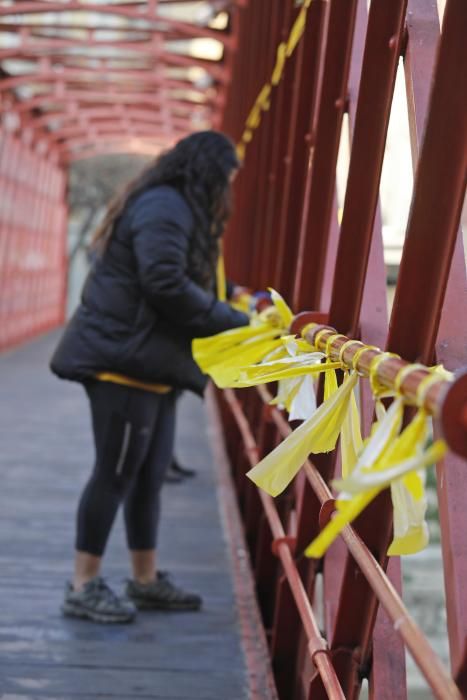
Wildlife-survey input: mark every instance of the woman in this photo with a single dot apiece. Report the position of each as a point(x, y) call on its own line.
point(149, 293)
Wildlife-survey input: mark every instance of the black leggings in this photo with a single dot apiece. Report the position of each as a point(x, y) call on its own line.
point(134, 436)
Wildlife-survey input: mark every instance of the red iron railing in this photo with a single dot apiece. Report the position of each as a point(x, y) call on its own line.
point(33, 255)
point(286, 234)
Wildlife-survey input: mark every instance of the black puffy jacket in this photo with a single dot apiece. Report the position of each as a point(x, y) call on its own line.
point(139, 308)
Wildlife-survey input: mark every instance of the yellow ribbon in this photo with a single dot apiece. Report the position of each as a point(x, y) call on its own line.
point(358, 355)
point(351, 442)
point(262, 102)
point(263, 97)
point(220, 275)
point(344, 347)
point(404, 373)
point(281, 57)
point(241, 151)
point(296, 32)
point(134, 383)
point(317, 434)
point(377, 388)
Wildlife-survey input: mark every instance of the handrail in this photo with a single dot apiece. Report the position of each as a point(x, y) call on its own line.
point(318, 649)
point(429, 663)
point(443, 399)
point(286, 233)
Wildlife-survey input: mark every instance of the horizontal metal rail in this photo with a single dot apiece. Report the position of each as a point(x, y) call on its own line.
point(317, 646)
point(427, 660)
point(443, 399)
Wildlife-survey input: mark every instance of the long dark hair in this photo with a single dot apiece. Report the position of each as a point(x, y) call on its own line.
point(199, 167)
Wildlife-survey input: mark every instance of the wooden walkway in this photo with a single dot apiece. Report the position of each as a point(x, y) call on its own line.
point(45, 457)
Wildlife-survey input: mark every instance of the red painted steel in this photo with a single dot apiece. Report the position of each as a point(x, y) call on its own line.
point(439, 192)
point(346, 270)
point(351, 628)
point(423, 33)
point(147, 68)
point(325, 144)
point(318, 649)
point(382, 48)
point(32, 240)
point(131, 11)
point(114, 87)
point(388, 596)
point(285, 232)
point(296, 158)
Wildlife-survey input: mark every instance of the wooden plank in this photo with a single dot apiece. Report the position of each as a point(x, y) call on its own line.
point(45, 458)
point(118, 683)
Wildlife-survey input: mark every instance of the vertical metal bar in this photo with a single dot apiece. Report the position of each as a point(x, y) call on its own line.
point(284, 136)
point(423, 33)
point(266, 435)
point(381, 509)
point(62, 187)
point(320, 193)
point(325, 146)
point(4, 205)
point(382, 50)
point(438, 198)
point(298, 148)
point(255, 181)
point(12, 165)
point(388, 674)
point(240, 99)
point(285, 639)
point(274, 143)
point(419, 57)
point(352, 628)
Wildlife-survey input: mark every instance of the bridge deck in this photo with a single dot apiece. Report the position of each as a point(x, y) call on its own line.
point(45, 457)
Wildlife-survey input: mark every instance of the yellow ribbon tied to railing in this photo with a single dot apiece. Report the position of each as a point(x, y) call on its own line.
point(220, 354)
point(389, 458)
point(262, 103)
point(297, 395)
point(273, 366)
point(317, 434)
point(351, 442)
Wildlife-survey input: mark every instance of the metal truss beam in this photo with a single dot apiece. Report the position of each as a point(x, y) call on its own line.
point(116, 79)
point(87, 115)
point(62, 96)
point(118, 137)
point(32, 50)
point(121, 127)
point(185, 29)
point(146, 148)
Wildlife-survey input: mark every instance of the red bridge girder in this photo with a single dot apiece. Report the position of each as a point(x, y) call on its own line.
point(126, 57)
point(97, 79)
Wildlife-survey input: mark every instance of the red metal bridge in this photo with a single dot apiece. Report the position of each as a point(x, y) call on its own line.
point(291, 81)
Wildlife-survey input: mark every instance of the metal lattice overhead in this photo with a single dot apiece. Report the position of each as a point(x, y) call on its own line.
point(81, 78)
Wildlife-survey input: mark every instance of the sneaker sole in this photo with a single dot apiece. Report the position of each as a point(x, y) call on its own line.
point(70, 610)
point(172, 607)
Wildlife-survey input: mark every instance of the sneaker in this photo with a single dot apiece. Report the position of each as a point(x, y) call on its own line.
point(97, 602)
point(176, 473)
point(184, 472)
point(161, 594)
point(172, 477)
